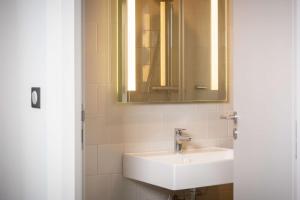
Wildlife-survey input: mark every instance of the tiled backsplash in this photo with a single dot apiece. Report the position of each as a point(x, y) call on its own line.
point(113, 128)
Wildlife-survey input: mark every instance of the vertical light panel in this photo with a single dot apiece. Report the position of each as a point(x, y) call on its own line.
point(163, 43)
point(131, 46)
point(214, 23)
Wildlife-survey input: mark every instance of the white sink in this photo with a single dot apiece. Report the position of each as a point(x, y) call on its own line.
point(191, 169)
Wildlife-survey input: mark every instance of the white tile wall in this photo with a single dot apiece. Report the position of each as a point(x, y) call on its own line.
point(96, 131)
point(122, 188)
point(97, 187)
point(110, 158)
point(113, 128)
point(91, 99)
point(147, 192)
point(91, 160)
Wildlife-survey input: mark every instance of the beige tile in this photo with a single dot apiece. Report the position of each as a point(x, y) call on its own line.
point(163, 145)
point(226, 143)
point(91, 38)
point(92, 69)
point(138, 147)
point(195, 123)
point(217, 128)
point(202, 143)
point(149, 192)
point(91, 13)
point(91, 99)
point(118, 108)
point(115, 130)
point(96, 131)
point(91, 160)
point(102, 97)
point(97, 45)
point(122, 188)
point(139, 127)
point(97, 66)
point(97, 187)
point(97, 10)
point(104, 76)
point(110, 158)
point(96, 52)
point(149, 146)
point(225, 107)
point(208, 107)
point(180, 108)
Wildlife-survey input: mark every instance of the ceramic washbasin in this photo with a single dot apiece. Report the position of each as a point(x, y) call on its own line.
point(177, 171)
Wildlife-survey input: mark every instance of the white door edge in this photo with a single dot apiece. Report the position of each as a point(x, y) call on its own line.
point(297, 98)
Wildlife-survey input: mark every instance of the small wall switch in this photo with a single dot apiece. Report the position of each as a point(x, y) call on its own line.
point(36, 97)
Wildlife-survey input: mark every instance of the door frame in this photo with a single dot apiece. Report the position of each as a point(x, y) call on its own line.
point(79, 90)
point(79, 95)
point(297, 96)
point(64, 100)
point(294, 87)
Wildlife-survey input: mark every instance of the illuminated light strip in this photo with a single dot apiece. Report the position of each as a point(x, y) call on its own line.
point(163, 43)
point(214, 45)
point(131, 46)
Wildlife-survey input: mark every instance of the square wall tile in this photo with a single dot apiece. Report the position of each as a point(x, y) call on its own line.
point(92, 70)
point(226, 142)
point(91, 160)
point(97, 187)
point(217, 128)
point(110, 158)
point(141, 127)
point(91, 99)
point(115, 129)
point(122, 188)
point(195, 123)
point(149, 192)
point(91, 38)
point(149, 146)
point(102, 95)
point(96, 131)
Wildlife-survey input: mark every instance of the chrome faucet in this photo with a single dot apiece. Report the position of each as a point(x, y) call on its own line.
point(180, 138)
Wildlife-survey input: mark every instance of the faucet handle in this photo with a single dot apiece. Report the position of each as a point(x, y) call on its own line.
point(179, 130)
point(180, 134)
point(185, 138)
point(180, 138)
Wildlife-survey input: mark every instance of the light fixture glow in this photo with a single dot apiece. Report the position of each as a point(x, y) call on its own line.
point(163, 43)
point(214, 45)
point(131, 46)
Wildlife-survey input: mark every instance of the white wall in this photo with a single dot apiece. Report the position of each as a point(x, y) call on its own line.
point(37, 147)
point(297, 58)
point(23, 143)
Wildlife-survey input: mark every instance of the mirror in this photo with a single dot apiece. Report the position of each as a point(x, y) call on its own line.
point(172, 51)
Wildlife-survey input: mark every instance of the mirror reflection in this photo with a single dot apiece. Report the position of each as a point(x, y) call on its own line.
point(173, 51)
